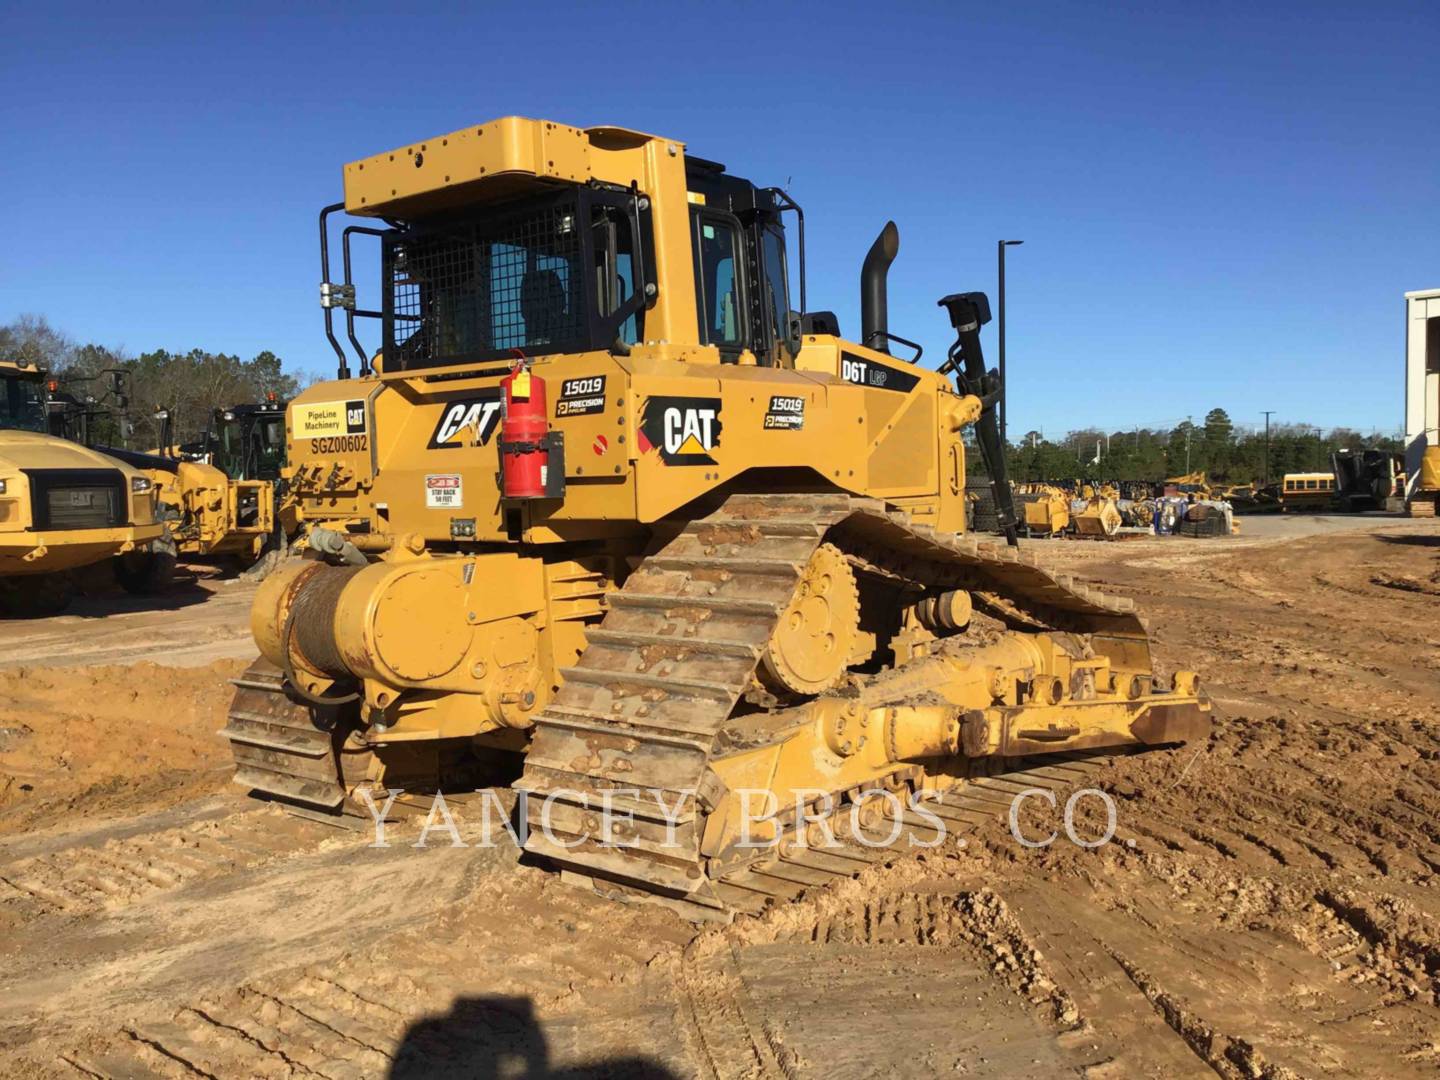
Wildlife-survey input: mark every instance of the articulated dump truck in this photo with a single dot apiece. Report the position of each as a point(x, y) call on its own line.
point(63, 507)
point(604, 499)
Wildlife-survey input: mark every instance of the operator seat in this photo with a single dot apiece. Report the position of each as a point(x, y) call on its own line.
point(543, 302)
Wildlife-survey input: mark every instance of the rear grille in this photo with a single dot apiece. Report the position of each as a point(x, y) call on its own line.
point(78, 498)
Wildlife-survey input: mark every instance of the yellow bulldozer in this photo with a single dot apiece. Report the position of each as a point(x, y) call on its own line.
point(607, 500)
point(1047, 510)
point(65, 507)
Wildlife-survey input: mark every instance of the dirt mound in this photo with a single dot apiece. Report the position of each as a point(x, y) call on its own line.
point(75, 742)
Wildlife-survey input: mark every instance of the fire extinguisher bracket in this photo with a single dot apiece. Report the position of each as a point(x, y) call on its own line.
point(532, 457)
point(555, 469)
point(551, 444)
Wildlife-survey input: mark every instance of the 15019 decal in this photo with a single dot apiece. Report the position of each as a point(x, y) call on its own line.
point(683, 429)
point(581, 397)
point(785, 413)
point(865, 372)
point(467, 421)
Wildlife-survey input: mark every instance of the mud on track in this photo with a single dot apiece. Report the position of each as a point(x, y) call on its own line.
point(1267, 908)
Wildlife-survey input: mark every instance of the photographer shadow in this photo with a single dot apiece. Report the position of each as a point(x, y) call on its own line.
point(498, 1038)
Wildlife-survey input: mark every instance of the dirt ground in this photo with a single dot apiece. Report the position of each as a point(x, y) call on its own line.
point(1267, 907)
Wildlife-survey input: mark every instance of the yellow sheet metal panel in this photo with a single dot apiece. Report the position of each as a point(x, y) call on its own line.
point(412, 179)
point(1430, 469)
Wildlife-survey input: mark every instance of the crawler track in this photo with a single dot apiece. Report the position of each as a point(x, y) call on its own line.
point(793, 870)
point(287, 748)
point(648, 702)
point(647, 705)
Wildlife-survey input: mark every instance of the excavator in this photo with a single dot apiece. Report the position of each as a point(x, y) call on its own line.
point(604, 499)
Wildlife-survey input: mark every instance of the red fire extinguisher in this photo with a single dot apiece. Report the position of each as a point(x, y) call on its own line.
point(524, 436)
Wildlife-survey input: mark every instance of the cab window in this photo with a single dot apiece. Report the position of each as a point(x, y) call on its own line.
point(777, 289)
point(717, 281)
point(22, 405)
point(615, 268)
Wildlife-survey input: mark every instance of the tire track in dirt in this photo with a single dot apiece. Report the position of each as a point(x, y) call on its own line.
point(109, 873)
point(1231, 1057)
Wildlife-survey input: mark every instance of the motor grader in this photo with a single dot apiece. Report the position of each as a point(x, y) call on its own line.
point(211, 514)
point(221, 492)
point(606, 499)
point(63, 507)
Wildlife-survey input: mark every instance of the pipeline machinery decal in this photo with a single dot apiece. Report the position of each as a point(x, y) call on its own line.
point(683, 429)
point(333, 427)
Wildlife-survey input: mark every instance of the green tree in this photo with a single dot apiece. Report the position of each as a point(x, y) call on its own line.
point(1217, 443)
point(190, 385)
point(1217, 426)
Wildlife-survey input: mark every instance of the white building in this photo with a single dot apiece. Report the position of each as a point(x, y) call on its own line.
point(1422, 378)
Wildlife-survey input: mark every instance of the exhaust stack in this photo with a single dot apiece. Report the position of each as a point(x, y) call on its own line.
point(874, 305)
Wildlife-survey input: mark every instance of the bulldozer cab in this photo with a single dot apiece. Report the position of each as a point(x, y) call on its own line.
point(22, 397)
point(553, 275)
point(556, 254)
point(742, 283)
point(545, 274)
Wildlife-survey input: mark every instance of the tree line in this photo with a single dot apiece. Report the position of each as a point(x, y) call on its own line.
point(1214, 447)
point(189, 385)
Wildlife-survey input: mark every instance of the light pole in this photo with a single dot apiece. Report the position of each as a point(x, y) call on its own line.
point(1000, 246)
point(1268, 414)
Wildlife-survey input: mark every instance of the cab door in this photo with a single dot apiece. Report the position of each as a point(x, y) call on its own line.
point(721, 288)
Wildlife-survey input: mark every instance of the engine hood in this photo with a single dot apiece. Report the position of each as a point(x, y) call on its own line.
point(32, 450)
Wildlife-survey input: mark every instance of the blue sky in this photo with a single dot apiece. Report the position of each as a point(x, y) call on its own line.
point(1222, 203)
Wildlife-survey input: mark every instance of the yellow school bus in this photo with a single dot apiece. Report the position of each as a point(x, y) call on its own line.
point(1307, 491)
